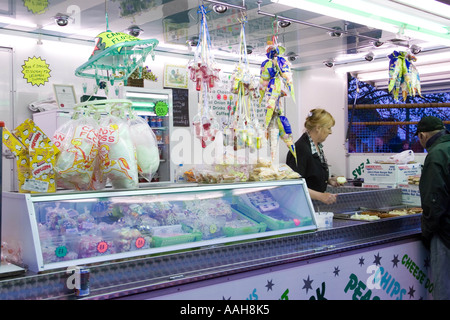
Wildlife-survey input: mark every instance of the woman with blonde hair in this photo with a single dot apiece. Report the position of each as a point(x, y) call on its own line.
point(311, 162)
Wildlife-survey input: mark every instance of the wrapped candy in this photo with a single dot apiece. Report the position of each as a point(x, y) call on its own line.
point(77, 158)
point(117, 153)
point(205, 127)
point(275, 71)
point(403, 75)
point(285, 133)
point(243, 127)
point(205, 74)
point(147, 152)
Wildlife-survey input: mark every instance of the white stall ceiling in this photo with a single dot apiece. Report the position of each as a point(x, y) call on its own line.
point(176, 22)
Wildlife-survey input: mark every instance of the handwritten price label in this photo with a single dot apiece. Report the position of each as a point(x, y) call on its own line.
point(61, 251)
point(102, 246)
point(36, 71)
point(140, 242)
point(161, 109)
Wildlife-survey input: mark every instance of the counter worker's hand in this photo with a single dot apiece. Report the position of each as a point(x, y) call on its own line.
point(328, 198)
point(333, 182)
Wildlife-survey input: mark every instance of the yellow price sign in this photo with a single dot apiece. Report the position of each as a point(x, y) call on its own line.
point(108, 39)
point(36, 6)
point(36, 71)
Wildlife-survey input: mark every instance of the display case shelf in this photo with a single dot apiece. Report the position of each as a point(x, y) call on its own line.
point(76, 228)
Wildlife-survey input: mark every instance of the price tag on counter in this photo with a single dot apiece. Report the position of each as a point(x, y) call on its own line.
point(102, 246)
point(140, 242)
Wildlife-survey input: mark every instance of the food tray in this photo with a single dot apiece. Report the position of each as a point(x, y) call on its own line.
point(272, 223)
point(382, 213)
point(159, 241)
point(255, 228)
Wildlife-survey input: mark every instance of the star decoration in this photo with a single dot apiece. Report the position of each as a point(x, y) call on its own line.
point(336, 271)
point(269, 285)
point(395, 261)
point(361, 261)
point(377, 260)
point(411, 292)
point(307, 284)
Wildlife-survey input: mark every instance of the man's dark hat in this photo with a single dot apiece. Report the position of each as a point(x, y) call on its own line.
point(429, 123)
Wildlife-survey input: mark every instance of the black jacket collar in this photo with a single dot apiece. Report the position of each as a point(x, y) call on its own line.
point(433, 139)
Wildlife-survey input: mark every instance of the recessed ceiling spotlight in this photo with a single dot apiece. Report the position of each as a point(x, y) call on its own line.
point(192, 42)
point(369, 57)
point(134, 30)
point(377, 43)
point(284, 23)
point(292, 56)
point(328, 63)
point(415, 49)
point(220, 8)
point(61, 20)
point(337, 33)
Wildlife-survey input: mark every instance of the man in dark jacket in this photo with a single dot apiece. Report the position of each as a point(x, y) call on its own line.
point(435, 197)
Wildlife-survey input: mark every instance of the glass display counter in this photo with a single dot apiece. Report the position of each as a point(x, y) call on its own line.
point(76, 228)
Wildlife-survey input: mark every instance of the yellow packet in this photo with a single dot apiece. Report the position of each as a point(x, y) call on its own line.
point(32, 136)
point(13, 144)
point(42, 164)
point(23, 171)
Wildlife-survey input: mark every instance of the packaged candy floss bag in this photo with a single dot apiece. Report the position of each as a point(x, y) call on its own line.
point(144, 141)
point(77, 141)
point(117, 153)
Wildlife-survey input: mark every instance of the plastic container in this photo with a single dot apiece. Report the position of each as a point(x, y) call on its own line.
point(179, 173)
point(324, 219)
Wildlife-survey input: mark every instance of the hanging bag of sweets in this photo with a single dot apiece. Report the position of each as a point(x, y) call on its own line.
point(117, 153)
point(144, 141)
point(78, 144)
point(205, 74)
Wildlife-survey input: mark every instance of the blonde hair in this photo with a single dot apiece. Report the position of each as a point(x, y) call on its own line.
point(319, 117)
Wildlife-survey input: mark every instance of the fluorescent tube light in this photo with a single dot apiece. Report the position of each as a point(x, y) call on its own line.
point(364, 66)
point(431, 6)
point(374, 16)
point(423, 70)
point(17, 22)
point(385, 12)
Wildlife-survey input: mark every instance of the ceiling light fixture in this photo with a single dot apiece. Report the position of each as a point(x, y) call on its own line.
point(134, 30)
point(337, 33)
point(376, 16)
point(328, 63)
point(369, 57)
point(16, 22)
point(331, 31)
point(228, 5)
point(415, 49)
point(61, 20)
point(384, 75)
point(284, 24)
point(292, 56)
point(220, 8)
point(436, 8)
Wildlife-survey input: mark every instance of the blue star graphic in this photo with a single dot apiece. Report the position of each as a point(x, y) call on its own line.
point(336, 271)
point(411, 292)
point(307, 284)
point(269, 285)
point(377, 260)
point(361, 261)
point(395, 261)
